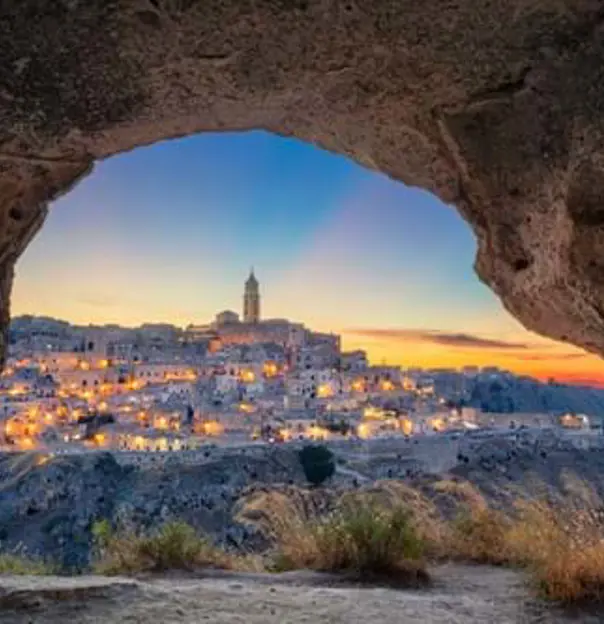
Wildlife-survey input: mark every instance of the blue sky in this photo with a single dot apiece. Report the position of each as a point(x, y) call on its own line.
point(169, 232)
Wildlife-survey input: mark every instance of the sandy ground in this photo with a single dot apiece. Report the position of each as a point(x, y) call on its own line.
point(460, 595)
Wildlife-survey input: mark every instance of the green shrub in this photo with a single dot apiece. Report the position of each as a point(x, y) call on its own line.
point(318, 463)
point(368, 541)
point(175, 546)
point(101, 533)
point(360, 538)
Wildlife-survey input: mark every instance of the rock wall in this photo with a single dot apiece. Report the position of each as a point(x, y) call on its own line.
point(495, 107)
point(48, 507)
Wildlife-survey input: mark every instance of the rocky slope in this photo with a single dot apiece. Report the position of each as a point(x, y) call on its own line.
point(48, 506)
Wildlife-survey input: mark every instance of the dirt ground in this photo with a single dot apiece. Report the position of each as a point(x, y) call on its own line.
point(460, 595)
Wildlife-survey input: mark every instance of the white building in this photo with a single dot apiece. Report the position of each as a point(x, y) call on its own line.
point(354, 361)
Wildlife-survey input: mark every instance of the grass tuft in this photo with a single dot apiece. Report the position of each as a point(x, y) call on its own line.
point(359, 537)
point(174, 546)
point(23, 565)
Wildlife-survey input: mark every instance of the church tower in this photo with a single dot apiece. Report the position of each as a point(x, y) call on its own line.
point(251, 300)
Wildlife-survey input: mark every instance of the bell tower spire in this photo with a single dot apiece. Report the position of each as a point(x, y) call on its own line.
point(251, 299)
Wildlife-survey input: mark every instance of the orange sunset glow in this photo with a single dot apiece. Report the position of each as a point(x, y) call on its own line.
point(165, 233)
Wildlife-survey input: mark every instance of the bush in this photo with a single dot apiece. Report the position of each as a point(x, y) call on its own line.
point(559, 541)
point(175, 546)
point(356, 536)
point(370, 542)
point(317, 462)
point(572, 576)
point(480, 535)
point(23, 565)
point(562, 545)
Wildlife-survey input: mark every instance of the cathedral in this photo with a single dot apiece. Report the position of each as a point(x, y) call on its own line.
point(227, 329)
point(251, 300)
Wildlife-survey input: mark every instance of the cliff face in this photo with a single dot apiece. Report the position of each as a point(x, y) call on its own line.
point(48, 506)
point(495, 107)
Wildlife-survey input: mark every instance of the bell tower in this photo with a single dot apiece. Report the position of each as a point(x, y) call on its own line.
point(251, 300)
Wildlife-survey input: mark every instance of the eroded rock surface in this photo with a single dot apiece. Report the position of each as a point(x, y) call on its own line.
point(461, 595)
point(494, 106)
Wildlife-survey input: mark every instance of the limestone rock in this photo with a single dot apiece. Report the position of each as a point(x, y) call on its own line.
point(496, 107)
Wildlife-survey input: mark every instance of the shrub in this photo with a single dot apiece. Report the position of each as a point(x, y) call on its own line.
point(317, 462)
point(572, 576)
point(285, 518)
point(175, 546)
point(16, 564)
point(358, 536)
point(370, 542)
point(480, 535)
point(558, 540)
point(424, 515)
point(562, 545)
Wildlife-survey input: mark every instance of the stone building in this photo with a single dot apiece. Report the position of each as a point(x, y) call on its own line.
point(251, 300)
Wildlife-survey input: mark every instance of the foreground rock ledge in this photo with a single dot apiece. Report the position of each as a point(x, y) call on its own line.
point(472, 595)
point(496, 107)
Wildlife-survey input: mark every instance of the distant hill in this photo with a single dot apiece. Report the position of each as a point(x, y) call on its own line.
point(522, 394)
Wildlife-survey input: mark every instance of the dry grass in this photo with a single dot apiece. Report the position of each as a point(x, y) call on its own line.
point(175, 546)
point(361, 537)
point(477, 533)
point(22, 565)
point(559, 541)
point(386, 532)
point(285, 518)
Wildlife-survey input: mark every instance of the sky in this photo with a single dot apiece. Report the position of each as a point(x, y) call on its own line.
point(168, 233)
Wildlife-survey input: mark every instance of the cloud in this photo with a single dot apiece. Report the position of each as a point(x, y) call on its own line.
point(435, 336)
point(553, 356)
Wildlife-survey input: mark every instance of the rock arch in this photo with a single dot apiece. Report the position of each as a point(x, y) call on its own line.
point(496, 107)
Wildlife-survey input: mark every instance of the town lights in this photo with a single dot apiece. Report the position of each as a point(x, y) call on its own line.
point(324, 391)
point(211, 428)
point(364, 431)
point(358, 385)
point(285, 435)
point(406, 426)
point(161, 423)
point(248, 376)
point(314, 432)
point(270, 369)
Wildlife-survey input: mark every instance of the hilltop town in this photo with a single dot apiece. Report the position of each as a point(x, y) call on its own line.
point(142, 427)
point(158, 388)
